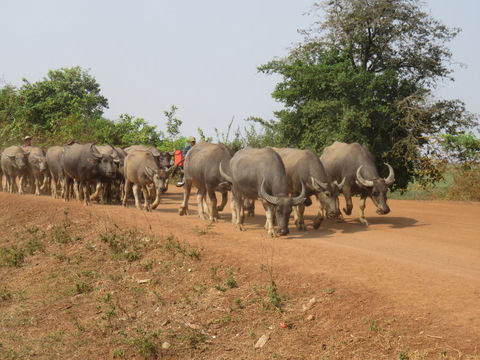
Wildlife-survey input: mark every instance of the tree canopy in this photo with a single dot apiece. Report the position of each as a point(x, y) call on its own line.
point(365, 72)
point(68, 104)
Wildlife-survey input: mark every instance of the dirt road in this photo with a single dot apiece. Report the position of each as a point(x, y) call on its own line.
point(422, 260)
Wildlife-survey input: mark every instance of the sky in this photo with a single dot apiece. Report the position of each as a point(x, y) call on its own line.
point(201, 56)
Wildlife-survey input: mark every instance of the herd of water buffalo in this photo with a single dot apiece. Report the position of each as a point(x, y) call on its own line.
point(283, 179)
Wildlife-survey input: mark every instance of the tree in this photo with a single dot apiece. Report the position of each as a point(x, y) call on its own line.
point(365, 73)
point(129, 130)
point(66, 104)
point(63, 93)
point(173, 124)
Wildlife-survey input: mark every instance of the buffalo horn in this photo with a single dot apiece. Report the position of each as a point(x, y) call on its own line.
point(149, 172)
point(340, 186)
point(300, 198)
point(391, 176)
point(269, 198)
point(361, 180)
point(316, 184)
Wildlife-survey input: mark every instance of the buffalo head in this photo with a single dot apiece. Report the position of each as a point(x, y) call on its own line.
point(377, 189)
point(19, 160)
point(283, 206)
point(158, 177)
point(104, 162)
point(327, 194)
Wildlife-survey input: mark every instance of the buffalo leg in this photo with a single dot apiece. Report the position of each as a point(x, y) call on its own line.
point(320, 216)
point(201, 193)
point(249, 207)
point(20, 184)
point(187, 188)
point(213, 205)
point(8, 182)
point(224, 201)
point(348, 200)
point(136, 195)
point(126, 190)
point(76, 190)
point(146, 198)
point(269, 214)
point(53, 186)
point(36, 180)
point(98, 189)
point(237, 212)
point(298, 216)
point(362, 202)
point(68, 183)
point(85, 188)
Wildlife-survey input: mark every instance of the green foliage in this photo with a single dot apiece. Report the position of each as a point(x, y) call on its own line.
point(464, 148)
point(145, 343)
point(173, 124)
point(129, 130)
point(13, 256)
point(358, 78)
point(67, 104)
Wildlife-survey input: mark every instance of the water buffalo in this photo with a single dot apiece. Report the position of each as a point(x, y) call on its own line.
point(85, 164)
point(304, 166)
point(357, 165)
point(201, 170)
point(260, 174)
point(141, 169)
point(55, 166)
point(14, 162)
point(106, 184)
point(37, 168)
point(163, 158)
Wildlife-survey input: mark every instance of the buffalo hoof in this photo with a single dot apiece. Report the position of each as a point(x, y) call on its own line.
point(183, 211)
point(203, 216)
point(363, 221)
point(317, 223)
point(272, 233)
point(301, 226)
point(240, 227)
point(220, 208)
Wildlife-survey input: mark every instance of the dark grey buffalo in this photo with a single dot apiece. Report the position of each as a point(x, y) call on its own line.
point(85, 164)
point(141, 169)
point(357, 165)
point(163, 158)
point(304, 166)
point(201, 170)
point(106, 185)
point(14, 163)
point(55, 166)
point(37, 168)
point(260, 174)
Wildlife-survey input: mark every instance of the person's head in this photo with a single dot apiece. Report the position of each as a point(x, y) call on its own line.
point(27, 141)
point(192, 140)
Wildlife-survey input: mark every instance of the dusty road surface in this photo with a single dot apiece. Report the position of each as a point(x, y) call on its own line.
point(421, 262)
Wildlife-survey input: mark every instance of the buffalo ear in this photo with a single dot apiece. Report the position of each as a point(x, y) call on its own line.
point(149, 172)
point(225, 185)
point(95, 151)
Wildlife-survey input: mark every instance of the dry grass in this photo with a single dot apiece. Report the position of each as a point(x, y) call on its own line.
point(77, 288)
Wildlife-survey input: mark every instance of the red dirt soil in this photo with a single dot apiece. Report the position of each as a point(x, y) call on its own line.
point(421, 262)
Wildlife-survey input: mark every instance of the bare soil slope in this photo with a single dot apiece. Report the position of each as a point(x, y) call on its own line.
point(407, 286)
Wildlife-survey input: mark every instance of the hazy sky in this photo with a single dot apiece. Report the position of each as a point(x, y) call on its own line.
point(201, 56)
